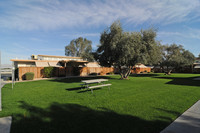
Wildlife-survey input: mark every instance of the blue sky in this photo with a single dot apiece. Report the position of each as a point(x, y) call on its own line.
point(47, 26)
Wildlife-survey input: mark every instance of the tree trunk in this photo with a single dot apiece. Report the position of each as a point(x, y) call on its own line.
point(124, 73)
point(168, 72)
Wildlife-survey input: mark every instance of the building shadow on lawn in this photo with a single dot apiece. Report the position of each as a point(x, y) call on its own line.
point(182, 81)
point(174, 80)
point(74, 89)
point(74, 118)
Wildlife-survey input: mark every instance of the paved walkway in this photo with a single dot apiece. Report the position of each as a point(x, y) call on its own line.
point(2, 84)
point(188, 122)
point(5, 124)
point(196, 79)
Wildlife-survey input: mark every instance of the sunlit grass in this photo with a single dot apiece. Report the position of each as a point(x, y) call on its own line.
point(145, 103)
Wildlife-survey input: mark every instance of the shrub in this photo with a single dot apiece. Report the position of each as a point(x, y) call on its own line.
point(29, 76)
point(110, 73)
point(102, 73)
point(95, 74)
point(48, 71)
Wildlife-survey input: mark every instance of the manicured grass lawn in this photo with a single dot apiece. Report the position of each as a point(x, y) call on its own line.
point(144, 104)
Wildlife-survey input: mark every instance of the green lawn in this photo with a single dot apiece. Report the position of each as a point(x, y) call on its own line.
point(144, 104)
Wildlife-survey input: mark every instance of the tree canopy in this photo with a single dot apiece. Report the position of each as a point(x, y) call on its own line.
point(125, 49)
point(80, 47)
point(176, 57)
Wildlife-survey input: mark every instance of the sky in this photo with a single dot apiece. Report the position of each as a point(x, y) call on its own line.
point(46, 26)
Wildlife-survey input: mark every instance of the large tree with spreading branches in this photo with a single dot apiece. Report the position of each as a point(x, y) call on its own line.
point(124, 49)
point(176, 57)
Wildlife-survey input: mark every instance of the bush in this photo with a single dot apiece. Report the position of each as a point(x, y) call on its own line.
point(110, 73)
point(95, 74)
point(29, 76)
point(49, 71)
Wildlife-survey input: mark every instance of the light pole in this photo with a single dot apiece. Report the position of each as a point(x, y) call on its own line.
point(13, 74)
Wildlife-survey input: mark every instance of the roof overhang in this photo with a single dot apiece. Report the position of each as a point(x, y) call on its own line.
point(19, 60)
point(197, 66)
point(76, 61)
point(61, 56)
point(54, 63)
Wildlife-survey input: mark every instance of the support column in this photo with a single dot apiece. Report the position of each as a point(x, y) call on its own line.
point(65, 69)
point(192, 68)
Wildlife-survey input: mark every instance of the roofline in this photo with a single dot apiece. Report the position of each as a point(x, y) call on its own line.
point(60, 56)
point(74, 61)
point(20, 60)
point(196, 63)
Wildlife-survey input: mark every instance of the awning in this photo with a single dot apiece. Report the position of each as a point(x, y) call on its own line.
point(41, 64)
point(54, 64)
point(197, 66)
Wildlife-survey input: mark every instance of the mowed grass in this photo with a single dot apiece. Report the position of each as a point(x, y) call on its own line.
point(146, 103)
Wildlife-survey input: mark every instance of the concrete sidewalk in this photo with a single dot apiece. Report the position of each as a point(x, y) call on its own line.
point(5, 124)
point(2, 84)
point(188, 122)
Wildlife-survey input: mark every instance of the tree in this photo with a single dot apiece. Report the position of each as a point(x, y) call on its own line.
point(80, 47)
point(124, 49)
point(199, 56)
point(176, 57)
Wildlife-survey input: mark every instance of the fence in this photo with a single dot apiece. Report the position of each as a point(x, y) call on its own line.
point(141, 70)
point(71, 71)
point(38, 72)
point(96, 70)
point(62, 72)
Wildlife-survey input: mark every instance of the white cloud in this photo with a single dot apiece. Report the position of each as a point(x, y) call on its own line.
point(189, 33)
point(31, 49)
point(47, 14)
point(194, 33)
point(76, 35)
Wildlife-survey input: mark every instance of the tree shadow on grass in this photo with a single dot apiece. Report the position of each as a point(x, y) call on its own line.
point(144, 75)
point(74, 89)
point(182, 81)
point(174, 80)
point(79, 79)
point(74, 118)
point(86, 90)
point(82, 89)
